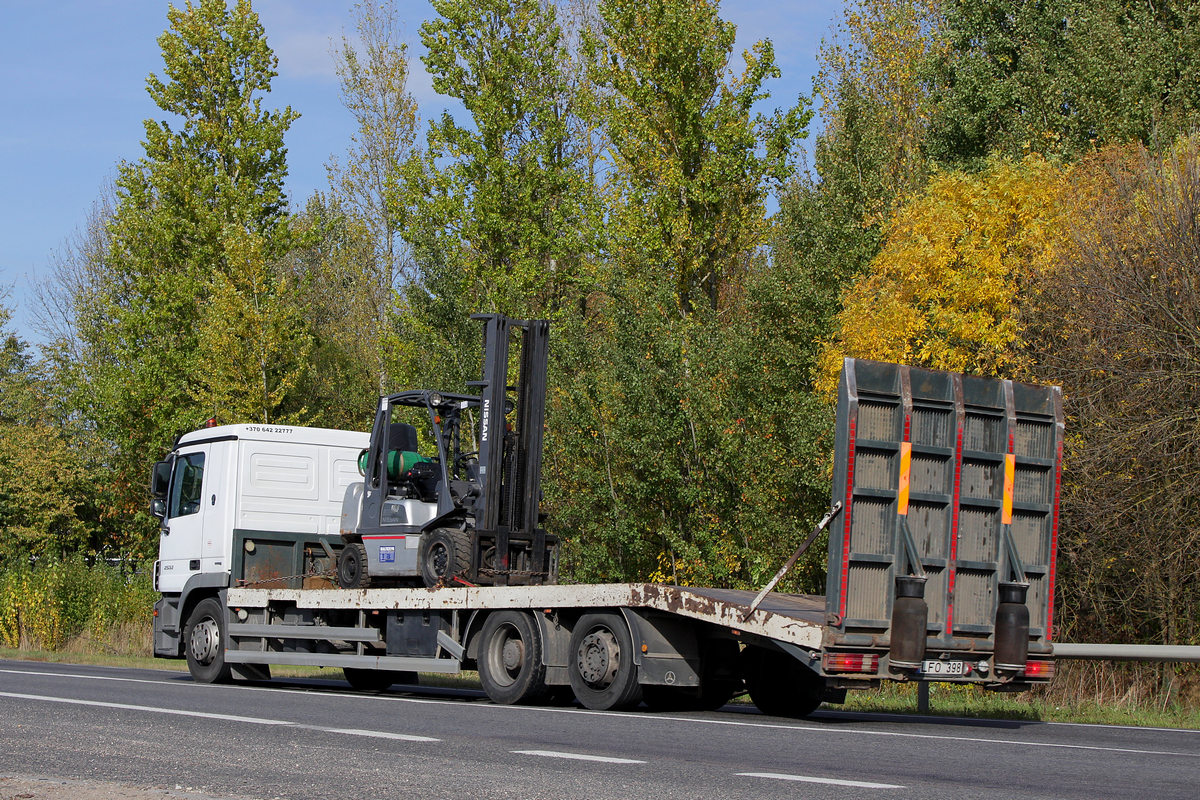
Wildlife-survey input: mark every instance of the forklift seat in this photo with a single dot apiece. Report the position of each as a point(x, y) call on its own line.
point(402, 436)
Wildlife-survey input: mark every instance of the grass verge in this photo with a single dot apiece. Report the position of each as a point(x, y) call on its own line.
point(1044, 705)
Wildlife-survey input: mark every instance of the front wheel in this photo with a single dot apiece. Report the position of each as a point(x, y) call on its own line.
point(510, 658)
point(204, 641)
point(443, 554)
point(603, 675)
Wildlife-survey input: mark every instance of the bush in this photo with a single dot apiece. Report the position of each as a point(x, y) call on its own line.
point(45, 605)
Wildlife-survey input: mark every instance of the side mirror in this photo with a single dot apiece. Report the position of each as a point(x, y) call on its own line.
point(158, 507)
point(160, 479)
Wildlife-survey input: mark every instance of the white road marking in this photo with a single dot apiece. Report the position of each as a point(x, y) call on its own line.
point(807, 728)
point(577, 756)
point(808, 779)
point(404, 737)
point(225, 717)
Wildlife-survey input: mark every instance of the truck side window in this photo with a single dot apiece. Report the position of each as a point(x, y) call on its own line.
point(186, 485)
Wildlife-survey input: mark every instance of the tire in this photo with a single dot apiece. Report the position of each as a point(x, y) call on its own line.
point(510, 659)
point(780, 685)
point(352, 567)
point(603, 675)
point(369, 680)
point(719, 680)
point(204, 642)
point(442, 555)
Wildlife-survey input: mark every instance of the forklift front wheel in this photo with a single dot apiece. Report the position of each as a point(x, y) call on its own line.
point(442, 555)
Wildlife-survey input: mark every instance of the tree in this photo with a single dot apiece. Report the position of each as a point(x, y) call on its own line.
point(1061, 77)
point(332, 271)
point(218, 175)
point(1003, 82)
point(498, 211)
point(943, 291)
point(374, 79)
point(254, 339)
point(877, 103)
point(693, 161)
point(663, 464)
point(1117, 322)
point(45, 495)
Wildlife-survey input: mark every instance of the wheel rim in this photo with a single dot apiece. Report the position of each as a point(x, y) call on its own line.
point(439, 557)
point(506, 655)
point(205, 640)
point(598, 658)
point(351, 569)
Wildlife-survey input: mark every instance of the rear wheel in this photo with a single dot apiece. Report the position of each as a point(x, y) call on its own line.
point(352, 567)
point(779, 684)
point(204, 641)
point(510, 658)
point(603, 675)
point(719, 680)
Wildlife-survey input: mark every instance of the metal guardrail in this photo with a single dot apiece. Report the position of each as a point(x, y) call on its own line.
point(1127, 652)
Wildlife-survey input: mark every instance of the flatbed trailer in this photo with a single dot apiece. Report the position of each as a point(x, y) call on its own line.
point(944, 523)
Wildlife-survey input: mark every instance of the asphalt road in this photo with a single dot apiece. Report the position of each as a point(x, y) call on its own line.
point(316, 740)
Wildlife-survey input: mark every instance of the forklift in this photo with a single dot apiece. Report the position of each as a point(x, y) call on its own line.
point(467, 512)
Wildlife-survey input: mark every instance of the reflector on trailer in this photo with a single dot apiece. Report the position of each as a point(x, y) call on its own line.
point(1039, 669)
point(851, 662)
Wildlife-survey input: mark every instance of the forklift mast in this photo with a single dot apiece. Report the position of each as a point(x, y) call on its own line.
point(510, 461)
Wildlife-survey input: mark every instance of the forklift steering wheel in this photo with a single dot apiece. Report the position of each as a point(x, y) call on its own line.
point(463, 462)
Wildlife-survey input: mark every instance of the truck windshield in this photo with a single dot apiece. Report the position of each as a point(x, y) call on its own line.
point(186, 485)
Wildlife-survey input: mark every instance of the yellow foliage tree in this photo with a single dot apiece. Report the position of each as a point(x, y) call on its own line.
point(943, 290)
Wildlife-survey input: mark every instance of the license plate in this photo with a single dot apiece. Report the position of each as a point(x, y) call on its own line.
point(943, 667)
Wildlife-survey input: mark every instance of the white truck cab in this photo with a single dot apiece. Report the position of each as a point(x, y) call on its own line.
point(218, 480)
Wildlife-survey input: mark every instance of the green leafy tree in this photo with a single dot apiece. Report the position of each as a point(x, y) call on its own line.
point(219, 172)
point(876, 103)
point(331, 269)
point(1003, 82)
point(45, 498)
point(511, 191)
point(254, 338)
point(1062, 77)
point(498, 210)
point(662, 465)
point(374, 76)
point(694, 163)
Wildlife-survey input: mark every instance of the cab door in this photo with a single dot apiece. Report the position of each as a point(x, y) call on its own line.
point(182, 532)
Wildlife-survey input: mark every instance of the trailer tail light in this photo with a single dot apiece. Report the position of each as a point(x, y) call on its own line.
point(850, 662)
point(1039, 669)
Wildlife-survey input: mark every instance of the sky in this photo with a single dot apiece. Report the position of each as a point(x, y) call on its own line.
point(73, 101)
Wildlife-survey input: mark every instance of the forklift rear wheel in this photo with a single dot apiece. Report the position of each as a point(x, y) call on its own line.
point(510, 658)
point(779, 684)
point(601, 666)
point(352, 567)
point(204, 640)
